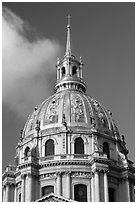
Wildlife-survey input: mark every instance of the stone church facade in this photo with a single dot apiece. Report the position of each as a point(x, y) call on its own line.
point(70, 148)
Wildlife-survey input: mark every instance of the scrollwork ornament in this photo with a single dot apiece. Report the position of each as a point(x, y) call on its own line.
point(77, 109)
point(51, 115)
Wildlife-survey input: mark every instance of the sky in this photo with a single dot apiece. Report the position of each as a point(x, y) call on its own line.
point(34, 35)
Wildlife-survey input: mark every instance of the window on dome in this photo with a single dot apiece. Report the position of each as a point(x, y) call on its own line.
point(47, 189)
point(106, 149)
point(49, 147)
point(79, 146)
point(80, 192)
point(63, 71)
point(27, 151)
point(74, 70)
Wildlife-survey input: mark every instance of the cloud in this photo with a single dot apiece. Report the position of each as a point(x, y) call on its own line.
point(28, 64)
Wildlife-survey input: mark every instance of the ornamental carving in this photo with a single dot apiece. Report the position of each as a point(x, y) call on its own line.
point(81, 174)
point(31, 121)
point(100, 113)
point(77, 109)
point(48, 175)
point(52, 111)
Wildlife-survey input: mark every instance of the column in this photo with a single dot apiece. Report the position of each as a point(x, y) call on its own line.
point(29, 186)
point(133, 194)
point(92, 188)
point(97, 192)
point(67, 184)
point(105, 187)
point(37, 187)
point(67, 68)
point(23, 188)
point(57, 74)
point(7, 193)
point(127, 192)
point(59, 183)
point(60, 73)
point(4, 194)
point(69, 143)
point(72, 147)
point(81, 72)
point(15, 194)
point(78, 72)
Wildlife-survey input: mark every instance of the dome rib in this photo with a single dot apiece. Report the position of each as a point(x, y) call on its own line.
point(74, 108)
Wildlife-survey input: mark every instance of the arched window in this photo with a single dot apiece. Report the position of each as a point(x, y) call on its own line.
point(47, 189)
point(112, 195)
point(49, 147)
point(63, 71)
point(80, 192)
point(106, 149)
point(79, 146)
point(26, 153)
point(74, 70)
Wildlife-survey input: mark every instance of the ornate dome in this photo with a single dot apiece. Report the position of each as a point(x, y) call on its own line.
point(72, 109)
point(70, 147)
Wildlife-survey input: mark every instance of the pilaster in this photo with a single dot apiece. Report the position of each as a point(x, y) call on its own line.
point(97, 190)
point(15, 194)
point(92, 188)
point(67, 184)
point(58, 183)
point(23, 176)
point(7, 193)
point(106, 196)
point(29, 190)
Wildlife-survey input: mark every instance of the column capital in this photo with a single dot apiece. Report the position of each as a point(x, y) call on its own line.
point(58, 173)
point(67, 172)
point(8, 184)
point(105, 171)
point(29, 174)
point(125, 178)
point(98, 170)
point(23, 176)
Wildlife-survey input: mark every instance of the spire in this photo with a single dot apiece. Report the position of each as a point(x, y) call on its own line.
point(68, 49)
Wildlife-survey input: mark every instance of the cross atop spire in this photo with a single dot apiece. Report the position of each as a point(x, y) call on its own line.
point(68, 49)
point(68, 17)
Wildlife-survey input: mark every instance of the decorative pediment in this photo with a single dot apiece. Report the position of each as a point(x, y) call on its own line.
point(54, 198)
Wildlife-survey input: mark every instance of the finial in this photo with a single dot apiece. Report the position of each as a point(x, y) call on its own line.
point(68, 49)
point(58, 61)
point(68, 17)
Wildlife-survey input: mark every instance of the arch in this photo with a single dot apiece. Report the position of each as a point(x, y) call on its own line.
point(79, 146)
point(47, 189)
point(74, 70)
point(49, 147)
point(106, 149)
point(63, 71)
point(85, 139)
point(27, 151)
point(80, 192)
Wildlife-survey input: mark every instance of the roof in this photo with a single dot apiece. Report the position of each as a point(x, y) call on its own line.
point(75, 109)
point(54, 198)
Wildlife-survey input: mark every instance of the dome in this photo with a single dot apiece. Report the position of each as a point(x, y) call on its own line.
point(70, 147)
point(72, 109)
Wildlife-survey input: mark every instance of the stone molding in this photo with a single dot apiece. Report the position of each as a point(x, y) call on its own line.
point(81, 174)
